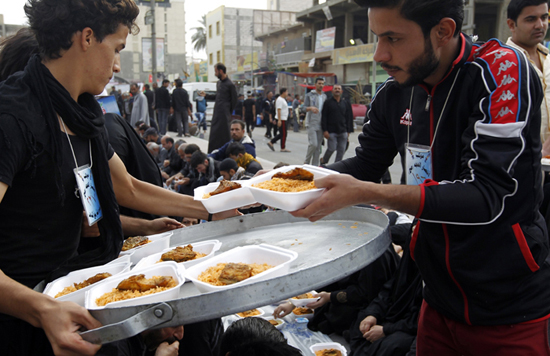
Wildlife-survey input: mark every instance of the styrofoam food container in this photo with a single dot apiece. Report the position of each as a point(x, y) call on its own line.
point(79, 276)
point(262, 312)
point(288, 201)
point(161, 269)
point(232, 199)
point(276, 256)
point(303, 302)
point(208, 247)
point(281, 322)
point(328, 345)
point(121, 259)
point(307, 316)
point(158, 243)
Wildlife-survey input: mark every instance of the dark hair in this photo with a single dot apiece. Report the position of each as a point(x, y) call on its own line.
point(237, 121)
point(227, 164)
point(165, 81)
point(296, 96)
point(282, 90)
point(138, 124)
point(179, 83)
point(426, 13)
point(54, 22)
point(318, 79)
point(265, 348)
point(247, 331)
point(151, 131)
point(197, 158)
point(515, 7)
point(234, 148)
point(16, 51)
point(169, 139)
point(179, 142)
point(221, 66)
point(146, 86)
point(191, 148)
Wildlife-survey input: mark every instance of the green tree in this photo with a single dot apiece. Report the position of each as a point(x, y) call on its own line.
point(199, 37)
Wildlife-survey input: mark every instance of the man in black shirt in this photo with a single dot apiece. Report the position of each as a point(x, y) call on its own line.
point(182, 108)
point(267, 109)
point(150, 95)
point(337, 124)
point(249, 113)
point(162, 104)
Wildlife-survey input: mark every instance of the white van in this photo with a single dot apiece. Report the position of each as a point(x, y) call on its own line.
point(194, 88)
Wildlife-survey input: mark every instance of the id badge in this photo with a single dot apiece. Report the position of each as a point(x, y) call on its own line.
point(88, 193)
point(418, 163)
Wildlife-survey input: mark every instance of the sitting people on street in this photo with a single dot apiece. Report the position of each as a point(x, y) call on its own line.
point(230, 170)
point(207, 167)
point(172, 163)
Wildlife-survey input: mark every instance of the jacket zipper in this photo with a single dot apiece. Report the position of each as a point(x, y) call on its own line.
point(427, 107)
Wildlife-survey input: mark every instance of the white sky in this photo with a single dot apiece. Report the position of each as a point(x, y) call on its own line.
point(14, 14)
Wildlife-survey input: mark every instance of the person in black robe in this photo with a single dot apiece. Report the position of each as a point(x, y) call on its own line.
point(225, 102)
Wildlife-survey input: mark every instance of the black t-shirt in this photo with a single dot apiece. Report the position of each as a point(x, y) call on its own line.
point(38, 232)
point(248, 105)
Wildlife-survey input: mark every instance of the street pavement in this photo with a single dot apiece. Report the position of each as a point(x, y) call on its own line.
point(297, 143)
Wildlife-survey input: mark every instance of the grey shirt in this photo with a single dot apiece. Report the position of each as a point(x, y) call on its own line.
point(313, 121)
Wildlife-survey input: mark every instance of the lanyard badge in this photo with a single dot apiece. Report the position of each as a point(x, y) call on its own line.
point(88, 193)
point(418, 163)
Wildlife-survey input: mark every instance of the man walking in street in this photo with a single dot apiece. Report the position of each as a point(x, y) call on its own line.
point(296, 105)
point(150, 95)
point(225, 102)
point(162, 104)
point(281, 108)
point(314, 105)
point(182, 108)
point(140, 112)
point(249, 113)
point(337, 124)
point(267, 108)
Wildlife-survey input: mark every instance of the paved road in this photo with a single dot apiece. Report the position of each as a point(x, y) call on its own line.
point(297, 143)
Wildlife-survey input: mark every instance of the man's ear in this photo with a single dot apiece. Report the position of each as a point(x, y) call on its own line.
point(511, 25)
point(85, 38)
point(444, 31)
point(232, 172)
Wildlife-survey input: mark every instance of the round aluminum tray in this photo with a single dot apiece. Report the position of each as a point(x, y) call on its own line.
point(328, 250)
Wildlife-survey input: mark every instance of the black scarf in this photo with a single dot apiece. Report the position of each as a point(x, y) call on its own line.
point(84, 119)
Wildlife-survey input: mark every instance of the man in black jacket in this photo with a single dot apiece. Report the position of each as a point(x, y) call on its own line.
point(150, 95)
point(337, 124)
point(162, 105)
point(182, 108)
point(466, 118)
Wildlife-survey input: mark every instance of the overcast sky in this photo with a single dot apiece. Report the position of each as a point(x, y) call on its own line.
point(14, 14)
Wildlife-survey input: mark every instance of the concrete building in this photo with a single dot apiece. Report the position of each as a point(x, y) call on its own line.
point(231, 36)
point(170, 34)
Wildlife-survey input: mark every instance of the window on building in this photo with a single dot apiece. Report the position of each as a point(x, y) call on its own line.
point(218, 57)
point(165, 28)
point(209, 31)
point(165, 17)
point(218, 28)
point(211, 59)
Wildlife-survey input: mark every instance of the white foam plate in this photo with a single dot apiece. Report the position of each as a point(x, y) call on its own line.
point(262, 312)
point(272, 255)
point(79, 276)
point(233, 199)
point(161, 269)
point(328, 345)
point(281, 322)
point(207, 247)
point(307, 316)
point(288, 201)
point(158, 243)
point(303, 302)
point(121, 259)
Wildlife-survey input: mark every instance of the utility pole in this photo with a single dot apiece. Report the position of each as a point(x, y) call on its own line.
point(252, 55)
point(153, 43)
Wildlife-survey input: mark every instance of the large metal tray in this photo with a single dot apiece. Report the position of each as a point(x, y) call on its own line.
point(328, 250)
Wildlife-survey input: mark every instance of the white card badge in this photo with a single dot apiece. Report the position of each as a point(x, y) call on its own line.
point(418, 163)
point(88, 193)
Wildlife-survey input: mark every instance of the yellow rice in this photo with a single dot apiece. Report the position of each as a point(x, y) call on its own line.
point(117, 295)
point(286, 185)
point(65, 291)
point(211, 274)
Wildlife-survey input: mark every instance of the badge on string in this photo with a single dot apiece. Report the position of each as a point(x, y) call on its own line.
point(418, 163)
point(88, 193)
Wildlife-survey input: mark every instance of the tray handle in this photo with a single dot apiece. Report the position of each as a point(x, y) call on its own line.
point(132, 326)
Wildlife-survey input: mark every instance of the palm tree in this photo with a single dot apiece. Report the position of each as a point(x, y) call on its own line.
point(199, 37)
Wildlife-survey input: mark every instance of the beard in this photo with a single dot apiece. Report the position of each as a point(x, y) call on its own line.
point(421, 67)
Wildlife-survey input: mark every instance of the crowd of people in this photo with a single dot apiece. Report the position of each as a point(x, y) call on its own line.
point(465, 277)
